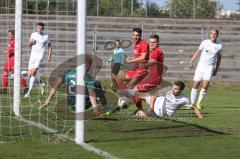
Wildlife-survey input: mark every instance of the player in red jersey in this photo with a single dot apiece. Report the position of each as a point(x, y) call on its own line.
point(141, 50)
point(155, 66)
point(138, 72)
point(9, 64)
point(155, 70)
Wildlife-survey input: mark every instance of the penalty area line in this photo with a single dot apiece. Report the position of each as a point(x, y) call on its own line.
point(86, 146)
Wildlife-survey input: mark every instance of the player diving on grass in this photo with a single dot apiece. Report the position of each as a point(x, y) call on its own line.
point(93, 90)
point(38, 41)
point(167, 105)
point(9, 64)
point(210, 52)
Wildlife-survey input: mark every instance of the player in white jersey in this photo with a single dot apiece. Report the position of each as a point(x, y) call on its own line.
point(38, 41)
point(166, 106)
point(210, 52)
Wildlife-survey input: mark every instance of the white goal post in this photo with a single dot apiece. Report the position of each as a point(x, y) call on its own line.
point(81, 49)
point(17, 60)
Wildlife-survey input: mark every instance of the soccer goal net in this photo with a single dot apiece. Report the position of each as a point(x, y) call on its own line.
point(60, 24)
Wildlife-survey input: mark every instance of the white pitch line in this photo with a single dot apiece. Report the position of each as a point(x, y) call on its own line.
point(98, 151)
point(39, 125)
point(86, 146)
point(44, 127)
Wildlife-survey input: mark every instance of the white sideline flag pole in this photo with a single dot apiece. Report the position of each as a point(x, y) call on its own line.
point(17, 57)
point(81, 49)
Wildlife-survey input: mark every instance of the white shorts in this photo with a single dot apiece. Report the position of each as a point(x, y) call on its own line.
point(203, 74)
point(159, 106)
point(34, 63)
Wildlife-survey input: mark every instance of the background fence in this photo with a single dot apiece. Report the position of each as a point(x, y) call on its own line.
point(211, 9)
point(178, 38)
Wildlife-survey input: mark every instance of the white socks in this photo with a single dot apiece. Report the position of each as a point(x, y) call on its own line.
point(202, 94)
point(31, 82)
point(193, 95)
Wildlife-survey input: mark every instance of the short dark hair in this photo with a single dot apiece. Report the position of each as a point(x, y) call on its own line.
point(154, 36)
point(41, 24)
point(138, 30)
point(180, 84)
point(11, 31)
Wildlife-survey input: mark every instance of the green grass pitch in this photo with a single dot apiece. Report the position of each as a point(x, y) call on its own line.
point(182, 136)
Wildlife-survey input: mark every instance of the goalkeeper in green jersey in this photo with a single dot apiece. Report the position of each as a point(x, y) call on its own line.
point(93, 91)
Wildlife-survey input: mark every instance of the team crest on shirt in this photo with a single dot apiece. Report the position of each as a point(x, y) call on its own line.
point(212, 51)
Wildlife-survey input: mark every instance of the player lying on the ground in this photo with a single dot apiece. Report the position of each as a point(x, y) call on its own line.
point(9, 65)
point(166, 106)
point(93, 89)
point(69, 78)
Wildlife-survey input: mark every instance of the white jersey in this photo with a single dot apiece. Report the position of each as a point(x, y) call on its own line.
point(38, 48)
point(166, 106)
point(209, 52)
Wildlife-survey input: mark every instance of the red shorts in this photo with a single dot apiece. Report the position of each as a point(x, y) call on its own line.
point(136, 73)
point(9, 65)
point(148, 84)
point(144, 87)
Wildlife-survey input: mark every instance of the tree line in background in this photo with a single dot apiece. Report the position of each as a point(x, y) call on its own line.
point(137, 8)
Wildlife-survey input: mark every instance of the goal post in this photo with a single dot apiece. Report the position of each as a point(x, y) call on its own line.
point(17, 60)
point(81, 50)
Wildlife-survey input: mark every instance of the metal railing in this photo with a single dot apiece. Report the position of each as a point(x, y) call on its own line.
point(211, 9)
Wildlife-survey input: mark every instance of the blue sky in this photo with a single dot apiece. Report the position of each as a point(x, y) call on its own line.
point(227, 4)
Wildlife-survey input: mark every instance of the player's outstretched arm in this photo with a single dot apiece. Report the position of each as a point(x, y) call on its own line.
point(197, 112)
point(52, 92)
point(194, 57)
point(219, 57)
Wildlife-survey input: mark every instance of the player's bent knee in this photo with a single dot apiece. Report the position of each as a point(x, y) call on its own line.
point(32, 72)
point(196, 84)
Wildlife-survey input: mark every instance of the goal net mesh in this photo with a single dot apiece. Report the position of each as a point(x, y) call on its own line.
point(59, 17)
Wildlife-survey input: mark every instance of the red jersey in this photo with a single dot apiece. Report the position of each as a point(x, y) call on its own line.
point(157, 69)
point(139, 48)
point(10, 50)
